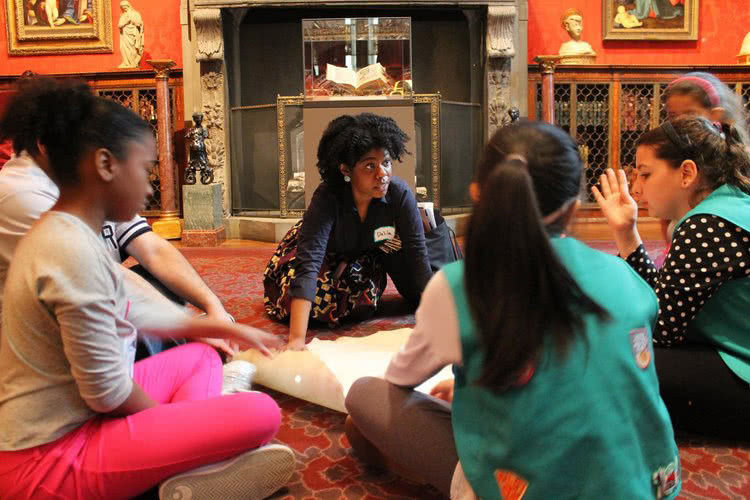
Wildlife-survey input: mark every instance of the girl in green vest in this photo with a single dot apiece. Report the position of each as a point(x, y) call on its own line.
point(555, 392)
point(699, 94)
point(696, 173)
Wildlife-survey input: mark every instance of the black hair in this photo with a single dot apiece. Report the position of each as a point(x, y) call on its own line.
point(67, 119)
point(24, 117)
point(719, 152)
point(347, 139)
point(519, 292)
point(728, 100)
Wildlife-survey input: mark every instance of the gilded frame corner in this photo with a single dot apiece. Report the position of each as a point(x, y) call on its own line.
point(281, 103)
point(434, 101)
point(28, 36)
point(688, 30)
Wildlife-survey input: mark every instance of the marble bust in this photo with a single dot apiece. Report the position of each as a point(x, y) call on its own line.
point(744, 56)
point(572, 21)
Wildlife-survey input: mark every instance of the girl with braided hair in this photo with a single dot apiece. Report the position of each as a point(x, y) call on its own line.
point(698, 174)
point(362, 223)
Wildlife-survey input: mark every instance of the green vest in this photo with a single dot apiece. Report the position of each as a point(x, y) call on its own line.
point(590, 423)
point(725, 318)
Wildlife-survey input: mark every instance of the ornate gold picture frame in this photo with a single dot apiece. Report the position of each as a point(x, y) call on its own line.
point(650, 19)
point(66, 27)
point(433, 100)
point(284, 153)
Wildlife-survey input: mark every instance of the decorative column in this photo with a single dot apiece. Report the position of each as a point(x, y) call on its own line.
point(205, 205)
point(168, 225)
point(500, 51)
point(210, 56)
point(548, 86)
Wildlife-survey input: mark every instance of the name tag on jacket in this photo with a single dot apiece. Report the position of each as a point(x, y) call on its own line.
point(384, 233)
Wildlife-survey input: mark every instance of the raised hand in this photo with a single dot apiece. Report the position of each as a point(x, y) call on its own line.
point(619, 208)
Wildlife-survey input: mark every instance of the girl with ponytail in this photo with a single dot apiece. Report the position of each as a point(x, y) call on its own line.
point(696, 173)
point(550, 343)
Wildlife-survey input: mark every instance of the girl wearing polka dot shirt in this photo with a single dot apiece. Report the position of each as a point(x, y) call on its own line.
point(696, 173)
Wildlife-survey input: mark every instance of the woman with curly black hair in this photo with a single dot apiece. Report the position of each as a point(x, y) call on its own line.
point(362, 223)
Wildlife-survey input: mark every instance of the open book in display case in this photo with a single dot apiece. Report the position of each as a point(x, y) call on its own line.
point(349, 65)
point(368, 56)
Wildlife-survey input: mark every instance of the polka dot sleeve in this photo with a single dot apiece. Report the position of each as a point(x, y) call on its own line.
point(706, 252)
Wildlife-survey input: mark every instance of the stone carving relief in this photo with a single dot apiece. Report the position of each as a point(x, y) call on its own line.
point(208, 34)
point(500, 50)
point(498, 93)
point(212, 92)
point(500, 21)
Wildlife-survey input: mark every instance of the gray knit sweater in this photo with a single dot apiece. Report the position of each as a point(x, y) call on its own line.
point(66, 349)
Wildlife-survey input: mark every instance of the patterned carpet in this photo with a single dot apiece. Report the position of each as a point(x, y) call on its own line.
point(326, 469)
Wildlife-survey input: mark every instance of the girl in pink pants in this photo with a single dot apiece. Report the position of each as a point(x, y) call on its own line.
point(78, 418)
point(122, 457)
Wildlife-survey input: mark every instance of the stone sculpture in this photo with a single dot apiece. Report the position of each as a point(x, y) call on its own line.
point(131, 36)
point(198, 160)
point(572, 21)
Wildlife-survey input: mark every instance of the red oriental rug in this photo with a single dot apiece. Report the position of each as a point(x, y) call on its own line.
point(327, 470)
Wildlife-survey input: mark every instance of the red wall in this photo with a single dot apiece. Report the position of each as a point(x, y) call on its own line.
point(161, 19)
point(722, 25)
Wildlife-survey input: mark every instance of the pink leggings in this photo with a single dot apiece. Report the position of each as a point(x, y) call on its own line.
point(122, 457)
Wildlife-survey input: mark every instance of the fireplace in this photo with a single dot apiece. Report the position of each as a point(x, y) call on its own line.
point(467, 68)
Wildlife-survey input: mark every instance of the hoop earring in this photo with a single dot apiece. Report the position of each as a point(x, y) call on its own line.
point(347, 178)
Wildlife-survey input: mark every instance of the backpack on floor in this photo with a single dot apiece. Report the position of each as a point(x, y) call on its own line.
point(442, 246)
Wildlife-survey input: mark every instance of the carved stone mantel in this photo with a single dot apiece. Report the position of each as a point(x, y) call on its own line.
point(506, 64)
point(501, 21)
point(208, 33)
point(210, 55)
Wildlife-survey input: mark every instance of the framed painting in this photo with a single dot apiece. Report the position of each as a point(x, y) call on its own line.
point(650, 19)
point(59, 26)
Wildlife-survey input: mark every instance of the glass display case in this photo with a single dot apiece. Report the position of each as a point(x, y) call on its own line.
point(357, 57)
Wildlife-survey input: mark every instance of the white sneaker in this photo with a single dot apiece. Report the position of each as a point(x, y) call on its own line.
point(238, 376)
point(253, 475)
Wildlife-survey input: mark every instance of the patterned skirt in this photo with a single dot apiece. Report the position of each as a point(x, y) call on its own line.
point(355, 293)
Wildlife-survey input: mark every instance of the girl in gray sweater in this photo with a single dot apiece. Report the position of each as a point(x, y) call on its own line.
point(78, 418)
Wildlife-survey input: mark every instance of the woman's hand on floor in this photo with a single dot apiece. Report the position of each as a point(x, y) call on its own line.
point(295, 344)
